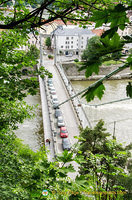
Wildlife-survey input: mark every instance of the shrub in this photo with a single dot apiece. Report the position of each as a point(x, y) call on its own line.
point(50, 56)
point(76, 60)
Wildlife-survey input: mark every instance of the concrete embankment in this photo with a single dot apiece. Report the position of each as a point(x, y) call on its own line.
point(71, 70)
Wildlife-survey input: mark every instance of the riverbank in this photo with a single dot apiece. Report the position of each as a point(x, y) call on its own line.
point(71, 70)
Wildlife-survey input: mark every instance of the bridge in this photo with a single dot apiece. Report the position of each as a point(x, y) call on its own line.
point(73, 113)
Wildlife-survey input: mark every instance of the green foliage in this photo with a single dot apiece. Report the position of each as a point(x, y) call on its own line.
point(97, 48)
point(76, 60)
point(97, 90)
point(109, 15)
point(50, 56)
point(116, 56)
point(129, 89)
point(105, 160)
point(48, 42)
point(111, 62)
point(33, 52)
point(24, 173)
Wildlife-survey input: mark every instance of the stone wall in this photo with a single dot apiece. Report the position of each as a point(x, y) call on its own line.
point(71, 70)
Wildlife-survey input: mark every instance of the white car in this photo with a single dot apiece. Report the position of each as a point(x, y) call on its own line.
point(60, 122)
point(52, 91)
point(44, 53)
point(55, 101)
point(54, 97)
point(51, 87)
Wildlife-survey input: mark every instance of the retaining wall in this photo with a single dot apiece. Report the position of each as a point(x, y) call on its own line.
point(71, 70)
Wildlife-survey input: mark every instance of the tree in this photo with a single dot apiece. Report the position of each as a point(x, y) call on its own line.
point(48, 42)
point(104, 161)
point(25, 173)
point(116, 56)
point(66, 10)
point(108, 44)
point(33, 52)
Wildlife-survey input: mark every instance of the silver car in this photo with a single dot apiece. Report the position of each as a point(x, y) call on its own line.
point(52, 91)
point(58, 113)
point(66, 144)
point(60, 122)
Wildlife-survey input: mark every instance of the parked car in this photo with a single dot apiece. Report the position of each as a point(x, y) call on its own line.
point(55, 101)
point(44, 53)
point(63, 132)
point(66, 144)
point(52, 91)
point(58, 113)
point(55, 105)
point(60, 122)
point(51, 87)
point(54, 97)
point(50, 80)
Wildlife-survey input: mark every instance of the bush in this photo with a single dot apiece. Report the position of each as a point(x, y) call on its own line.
point(50, 56)
point(48, 42)
point(76, 60)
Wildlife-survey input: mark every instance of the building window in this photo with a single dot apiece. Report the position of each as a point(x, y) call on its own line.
point(82, 47)
point(71, 42)
point(68, 47)
point(67, 38)
point(82, 37)
point(61, 46)
point(71, 46)
point(71, 37)
point(66, 42)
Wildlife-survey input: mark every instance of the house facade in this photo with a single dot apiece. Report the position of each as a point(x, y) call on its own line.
point(70, 41)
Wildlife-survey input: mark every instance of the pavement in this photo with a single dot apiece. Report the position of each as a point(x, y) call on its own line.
point(49, 120)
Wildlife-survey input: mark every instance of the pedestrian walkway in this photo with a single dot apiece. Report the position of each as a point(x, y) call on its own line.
point(46, 121)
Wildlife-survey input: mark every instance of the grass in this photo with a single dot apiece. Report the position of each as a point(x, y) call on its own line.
point(111, 62)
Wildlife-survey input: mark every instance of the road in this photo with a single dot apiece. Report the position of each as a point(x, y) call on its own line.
point(67, 110)
point(69, 116)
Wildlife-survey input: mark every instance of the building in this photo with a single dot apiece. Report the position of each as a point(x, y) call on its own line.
point(71, 41)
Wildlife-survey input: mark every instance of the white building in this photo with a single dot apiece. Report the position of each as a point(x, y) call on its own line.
point(71, 40)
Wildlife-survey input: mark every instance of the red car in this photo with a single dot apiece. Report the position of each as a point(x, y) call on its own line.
point(63, 132)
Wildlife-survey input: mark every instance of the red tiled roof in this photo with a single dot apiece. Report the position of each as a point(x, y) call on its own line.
point(98, 32)
point(60, 22)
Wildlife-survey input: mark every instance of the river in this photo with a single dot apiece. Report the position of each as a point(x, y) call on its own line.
point(117, 116)
point(31, 131)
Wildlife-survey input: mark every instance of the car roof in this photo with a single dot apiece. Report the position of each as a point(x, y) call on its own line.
point(66, 139)
point(63, 128)
point(54, 96)
point(60, 117)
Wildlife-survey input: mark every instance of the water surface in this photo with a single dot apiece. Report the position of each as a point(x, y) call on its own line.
point(31, 131)
point(117, 116)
